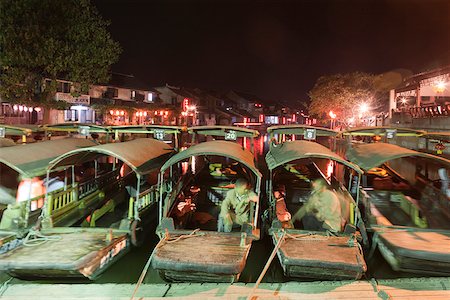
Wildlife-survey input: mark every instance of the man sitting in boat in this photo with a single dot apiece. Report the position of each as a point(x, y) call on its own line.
point(322, 211)
point(235, 209)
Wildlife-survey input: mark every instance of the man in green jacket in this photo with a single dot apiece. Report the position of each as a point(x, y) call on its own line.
point(235, 209)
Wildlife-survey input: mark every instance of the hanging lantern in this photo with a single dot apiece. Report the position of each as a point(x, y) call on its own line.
point(111, 112)
point(376, 138)
point(440, 147)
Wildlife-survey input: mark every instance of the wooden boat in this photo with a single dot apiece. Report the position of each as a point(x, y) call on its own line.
point(166, 133)
point(22, 134)
point(112, 224)
point(191, 249)
point(410, 216)
point(22, 169)
point(303, 253)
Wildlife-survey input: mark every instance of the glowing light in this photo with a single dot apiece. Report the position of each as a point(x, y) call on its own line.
point(122, 113)
point(37, 109)
point(20, 108)
point(332, 114)
point(404, 100)
point(30, 109)
point(261, 118)
point(15, 107)
point(25, 109)
point(351, 120)
point(440, 86)
point(117, 112)
point(330, 168)
point(111, 112)
point(363, 108)
point(145, 113)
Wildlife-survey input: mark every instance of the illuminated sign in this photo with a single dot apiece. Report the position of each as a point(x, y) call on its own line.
point(230, 135)
point(310, 134)
point(2, 132)
point(390, 133)
point(84, 130)
point(159, 134)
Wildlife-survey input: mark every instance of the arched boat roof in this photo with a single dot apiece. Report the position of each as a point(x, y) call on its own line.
point(300, 130)
point(293, 150)
point(31, 160)
point(146, 128)
point(141, 155)
point(369, 156)
point(76, 127)
point(218, 130)
point(381, 131)
point(218, 148)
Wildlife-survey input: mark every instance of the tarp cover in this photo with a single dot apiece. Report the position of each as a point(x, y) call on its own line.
point(300, 130)
point(141, 155)
point(369, 156)
point(219, 148)
point(293, 150)
point(31, 160)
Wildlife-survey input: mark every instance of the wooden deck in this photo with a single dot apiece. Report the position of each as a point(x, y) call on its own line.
point(321, 257)
point(72, 252)
point(397, 289)
point(202, 254)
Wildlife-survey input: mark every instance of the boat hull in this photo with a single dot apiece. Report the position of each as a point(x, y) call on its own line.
point(305, 255)
point(70, 252)
point(415, 251)
point(202, 257)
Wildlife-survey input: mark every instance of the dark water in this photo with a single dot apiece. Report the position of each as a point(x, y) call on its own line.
point(129, 267)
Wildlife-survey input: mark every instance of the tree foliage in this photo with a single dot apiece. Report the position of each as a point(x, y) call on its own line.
point(50, 39)
point(343, 94)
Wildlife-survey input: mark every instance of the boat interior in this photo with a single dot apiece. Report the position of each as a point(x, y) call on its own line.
point(395, 201)
point(298, 176)
point(206, 186)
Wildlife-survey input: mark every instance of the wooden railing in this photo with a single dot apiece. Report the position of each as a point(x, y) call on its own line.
point(145, 199)
point(61, 199)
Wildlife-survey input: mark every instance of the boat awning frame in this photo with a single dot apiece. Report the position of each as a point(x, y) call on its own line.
point(146, 128)
point(31, 160)
point(218, 130)
point(369, 156)
point(381, 131)
point(75, 127)
point(294, 150)
point(217, 148)
point(299, 129)
point(141, 155)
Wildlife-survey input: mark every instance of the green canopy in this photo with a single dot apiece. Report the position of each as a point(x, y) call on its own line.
point(31, 160)
point(146, 128)
point(293, 150)
point(141, 155)
point(299, 129)
point(20, 129)
point(381, 131)
point(218, 130)
point(218, 148)
point(437, 135)
point(369, 156)
point(76, 127)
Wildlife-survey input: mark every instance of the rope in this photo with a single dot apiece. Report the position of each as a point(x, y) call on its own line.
point(308, 237)
point(269, 261)
point(380, 293)
point(4, 286)
point(36, 238)
point(159, 245)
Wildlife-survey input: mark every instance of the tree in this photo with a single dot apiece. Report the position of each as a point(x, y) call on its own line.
point(50, 39)
point(344, 94)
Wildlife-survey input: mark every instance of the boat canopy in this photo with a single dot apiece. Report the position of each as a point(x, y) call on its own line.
point(25, 130)
point(141, 155)
point(76, 127)
point(381, 131)
point(437, 136)
point(219, 148)
point(223, 131)
point(293, 150)
point(299, 130)
point(146, 129)
point(31, 160)
point(369, 156)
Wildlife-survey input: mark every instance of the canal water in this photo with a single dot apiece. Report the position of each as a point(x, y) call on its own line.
point(129, 267)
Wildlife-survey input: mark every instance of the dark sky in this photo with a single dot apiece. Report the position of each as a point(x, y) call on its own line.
point(274, 49)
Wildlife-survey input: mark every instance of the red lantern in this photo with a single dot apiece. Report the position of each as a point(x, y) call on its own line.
point(440, 147)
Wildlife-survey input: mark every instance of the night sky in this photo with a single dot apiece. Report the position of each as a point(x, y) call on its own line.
point(278, 49)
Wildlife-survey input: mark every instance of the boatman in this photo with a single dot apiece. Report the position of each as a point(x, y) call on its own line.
point(322, 211)
point(235, 209)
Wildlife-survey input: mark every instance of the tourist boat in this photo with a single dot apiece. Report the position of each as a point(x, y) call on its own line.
point(100, 134)
point(295, 164)
point(21, 134)
point(191, 248)
point(166, 133)
point(111, 225)
point(22, 170)
point(408, 213)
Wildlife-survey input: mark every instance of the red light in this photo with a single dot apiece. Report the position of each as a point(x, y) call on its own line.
point(185, 103)
point(261, 118)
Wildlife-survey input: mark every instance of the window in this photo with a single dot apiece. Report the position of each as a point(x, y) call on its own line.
point(150, 97)
point(71, 115)
point(111, 93)
point(63, 87)
point(133, 94)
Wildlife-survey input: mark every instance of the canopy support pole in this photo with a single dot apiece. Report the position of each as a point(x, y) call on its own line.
point(73, 175)
point(136, 203)
point(96, 168)
point(357, 197)
point(176, 141)
point(160, 184)
point(65, 179)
